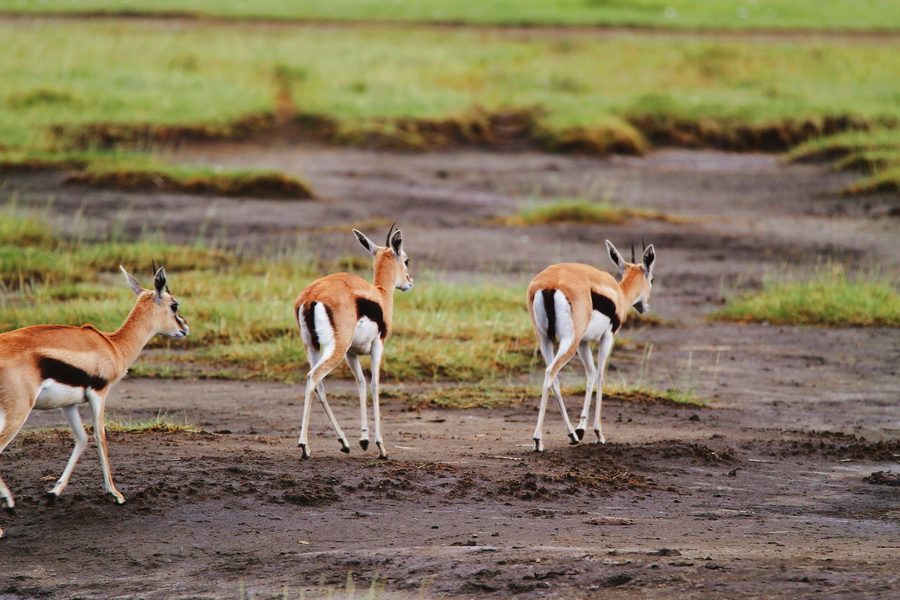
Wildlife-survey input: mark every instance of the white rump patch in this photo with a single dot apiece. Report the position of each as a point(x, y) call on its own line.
point(565, 327)
point(599, 326)
point(324, 330)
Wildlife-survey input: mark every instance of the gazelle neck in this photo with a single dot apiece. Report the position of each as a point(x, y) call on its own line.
point(133, 335)
point(631, 285)
point(385, 281)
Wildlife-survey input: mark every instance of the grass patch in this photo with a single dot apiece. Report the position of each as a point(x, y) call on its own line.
point(692, 14)
point(874, 153)
point(161, 423)
point(415, 88)
point(578, 212)
point(830, 297)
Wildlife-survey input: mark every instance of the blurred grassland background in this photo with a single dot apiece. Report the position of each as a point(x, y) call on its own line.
point(99, 95)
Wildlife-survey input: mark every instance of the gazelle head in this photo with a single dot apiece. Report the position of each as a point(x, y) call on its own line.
point(160, 306)
point(391, 262)
point(636, 274)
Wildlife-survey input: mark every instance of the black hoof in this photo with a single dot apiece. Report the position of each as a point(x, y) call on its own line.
point(573, 439)
point(580, 433)
point(50, 498)
point(304, 453)
point(364, 444)
point(10, 510)
point(537, 446)
point(345, 449)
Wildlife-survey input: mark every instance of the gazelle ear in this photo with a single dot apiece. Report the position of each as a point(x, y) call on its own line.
point(649, 258)
point(136, 287)
point(615, 256)
point(159, 282)
point(366, 242)
point(397, 242)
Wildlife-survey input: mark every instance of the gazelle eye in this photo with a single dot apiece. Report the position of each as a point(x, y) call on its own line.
point(406, 262)
point(175, 307)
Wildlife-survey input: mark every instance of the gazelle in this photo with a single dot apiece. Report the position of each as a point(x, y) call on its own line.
point(578, 304)
point(342, 316)
point(58, 366)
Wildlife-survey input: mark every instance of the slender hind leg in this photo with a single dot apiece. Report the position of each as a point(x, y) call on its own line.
point(587, 359)
point(554, 365)
point(322, 364)
point(360, 378)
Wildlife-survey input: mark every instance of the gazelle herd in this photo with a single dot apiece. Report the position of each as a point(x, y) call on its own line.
point(340, 316)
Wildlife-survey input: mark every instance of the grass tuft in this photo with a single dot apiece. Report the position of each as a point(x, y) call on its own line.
point(830, 297)
point(161, 423)
point(579, 212)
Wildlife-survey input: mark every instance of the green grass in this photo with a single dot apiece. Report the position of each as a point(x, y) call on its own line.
point(829, 297)
point(876, 154)
point(580, 212)
point(162, 422)
point(717, 14)
point(363, 84)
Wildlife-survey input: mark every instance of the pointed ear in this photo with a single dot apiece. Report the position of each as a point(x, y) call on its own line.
point(397, 242)
point(366, 242)
point(649, 258)
point(615, 256)
point(136, 287)
point(159, 282)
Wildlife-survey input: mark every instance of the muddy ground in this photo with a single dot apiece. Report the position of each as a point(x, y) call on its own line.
point(767, 493)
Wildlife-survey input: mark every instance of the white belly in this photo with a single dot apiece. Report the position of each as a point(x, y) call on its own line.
point(598, 327)
point(56, 395)
point(364, 336)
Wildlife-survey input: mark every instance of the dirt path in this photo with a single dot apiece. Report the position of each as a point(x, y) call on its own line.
point(761, 495)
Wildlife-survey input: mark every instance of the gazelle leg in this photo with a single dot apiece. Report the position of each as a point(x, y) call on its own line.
point(97, 403)
point(74, 418)
point(606, 344)
point(313, 386)
point(554, 365)
point(587, 359)
point(9, 429)
point(377, 350)
point(360, 378)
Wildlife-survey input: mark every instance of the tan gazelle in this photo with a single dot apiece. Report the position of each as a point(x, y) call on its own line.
point(59, 366)
point(342, 316)
point(577, 304)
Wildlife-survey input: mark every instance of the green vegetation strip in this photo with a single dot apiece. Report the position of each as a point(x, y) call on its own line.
point(829, 297)
point(716, 14)
point(397, 87)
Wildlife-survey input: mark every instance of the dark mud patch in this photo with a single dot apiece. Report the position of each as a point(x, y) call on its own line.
point(883, 478)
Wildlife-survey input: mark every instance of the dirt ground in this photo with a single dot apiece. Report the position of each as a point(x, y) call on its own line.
point(772, 491)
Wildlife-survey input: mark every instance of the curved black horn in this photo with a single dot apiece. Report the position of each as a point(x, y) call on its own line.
point(390, 233)
point(632, 250)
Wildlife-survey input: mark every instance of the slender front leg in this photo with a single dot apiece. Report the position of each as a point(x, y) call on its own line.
point(360, 378)
point(98, 405)
point(606, 345)
point(377, 350)
point(74, 418)
point(587, 359)
point(320, 392)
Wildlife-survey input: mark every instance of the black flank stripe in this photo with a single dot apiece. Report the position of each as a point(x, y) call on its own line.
point(309, 317)
point(372, 310)
point(550, 310)
point(606, 307)
point(70, 375)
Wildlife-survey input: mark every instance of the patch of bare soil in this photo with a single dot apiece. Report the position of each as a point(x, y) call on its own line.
point(781, 488)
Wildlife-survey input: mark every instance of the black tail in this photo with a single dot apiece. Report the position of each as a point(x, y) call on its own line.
point(550, 310)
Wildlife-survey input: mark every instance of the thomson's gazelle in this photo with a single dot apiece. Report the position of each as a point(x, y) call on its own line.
point(58, 366)
point(578, 304)
point(345, 316)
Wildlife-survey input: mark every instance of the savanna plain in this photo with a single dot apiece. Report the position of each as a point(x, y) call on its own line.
point(751, 418)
